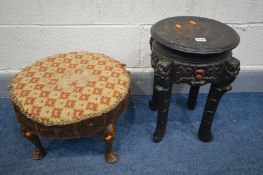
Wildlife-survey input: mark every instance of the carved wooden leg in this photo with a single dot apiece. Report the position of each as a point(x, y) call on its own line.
point(163, 67)
point(192, 98)
point(153, 103)
point(214, 96)
point(109, 135)
point(163, 108)
point(39, 151)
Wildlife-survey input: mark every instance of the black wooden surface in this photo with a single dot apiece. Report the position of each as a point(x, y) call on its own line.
point(195, 35)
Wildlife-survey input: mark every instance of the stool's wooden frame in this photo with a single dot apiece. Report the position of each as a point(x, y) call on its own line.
point(104, 126)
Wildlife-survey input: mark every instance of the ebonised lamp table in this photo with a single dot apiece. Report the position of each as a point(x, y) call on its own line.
point(195, 51)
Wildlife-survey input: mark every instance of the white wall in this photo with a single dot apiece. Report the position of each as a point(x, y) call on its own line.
point(32, 29)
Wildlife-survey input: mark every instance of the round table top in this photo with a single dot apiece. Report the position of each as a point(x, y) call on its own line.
point(70, 87)
point(195, 35)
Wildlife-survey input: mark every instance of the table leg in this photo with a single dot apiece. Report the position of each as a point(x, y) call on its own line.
point(163, 108)
point(214, 96)
point(153, 103)
point(39, 151)
point(109, 135)
point(163, 68)
point(192, 98)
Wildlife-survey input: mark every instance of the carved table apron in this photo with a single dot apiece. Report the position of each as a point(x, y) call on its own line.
point(174, 62)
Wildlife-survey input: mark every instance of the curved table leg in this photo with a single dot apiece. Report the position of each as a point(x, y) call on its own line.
point(214, 96)
point(39, 151)
point(192, 98)
point(109, 135)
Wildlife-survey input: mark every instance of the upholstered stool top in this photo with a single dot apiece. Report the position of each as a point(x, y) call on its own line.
point(71, 87)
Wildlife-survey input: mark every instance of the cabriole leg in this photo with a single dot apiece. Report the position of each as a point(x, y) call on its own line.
point(39, 151)
point(109, 135)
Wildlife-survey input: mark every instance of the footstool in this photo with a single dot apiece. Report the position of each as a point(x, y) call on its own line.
point(71, 95)
point(195, 51)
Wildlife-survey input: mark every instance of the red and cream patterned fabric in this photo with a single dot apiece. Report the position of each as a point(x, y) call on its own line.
point(70, 87)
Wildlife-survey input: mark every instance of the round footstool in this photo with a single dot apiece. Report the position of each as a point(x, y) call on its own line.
point(71, 95)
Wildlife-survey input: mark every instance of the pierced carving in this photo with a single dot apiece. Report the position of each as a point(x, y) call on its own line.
point(232, 68)
point(162, 71)
point(218, 72)
point(154, 59)
point(163, 67)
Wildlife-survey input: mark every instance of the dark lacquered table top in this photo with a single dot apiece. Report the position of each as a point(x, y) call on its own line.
point(195, 35)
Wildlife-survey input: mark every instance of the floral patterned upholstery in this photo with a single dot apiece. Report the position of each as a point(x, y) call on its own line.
point(70, 87)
